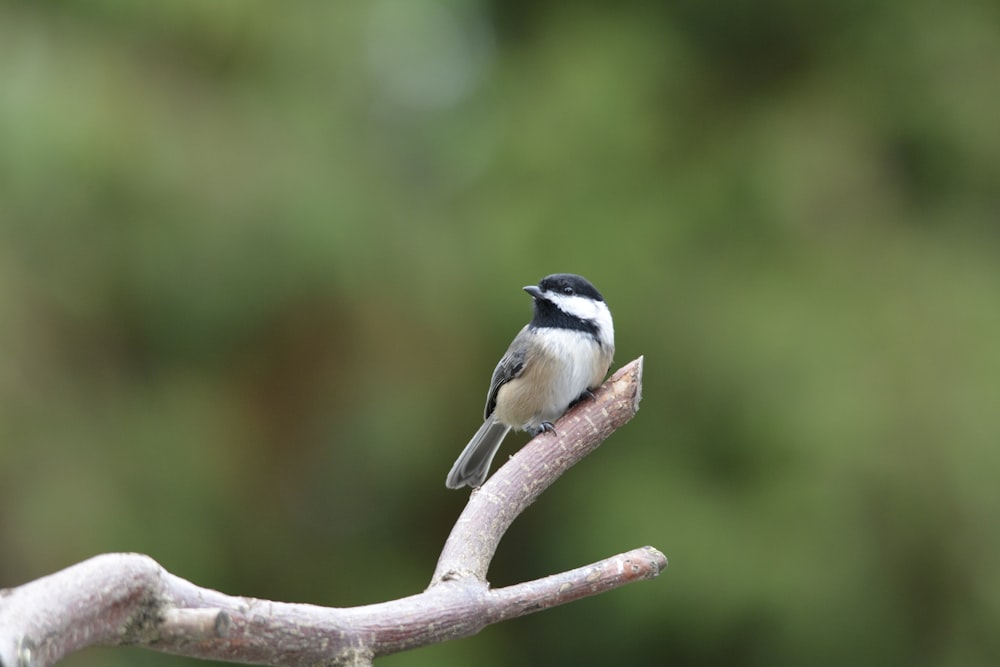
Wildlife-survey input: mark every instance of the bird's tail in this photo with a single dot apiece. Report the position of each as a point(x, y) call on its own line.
point(473, 464)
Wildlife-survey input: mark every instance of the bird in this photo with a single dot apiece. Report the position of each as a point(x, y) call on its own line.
point(560, 357)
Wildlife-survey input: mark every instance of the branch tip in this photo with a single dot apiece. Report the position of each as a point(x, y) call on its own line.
point(639, 364)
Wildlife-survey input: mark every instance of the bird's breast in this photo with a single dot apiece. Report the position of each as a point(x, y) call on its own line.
point(563, 364)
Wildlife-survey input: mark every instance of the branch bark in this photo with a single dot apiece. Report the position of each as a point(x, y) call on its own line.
point(129, 599)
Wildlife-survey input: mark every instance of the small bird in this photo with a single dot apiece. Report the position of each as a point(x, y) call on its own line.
point(558, 358)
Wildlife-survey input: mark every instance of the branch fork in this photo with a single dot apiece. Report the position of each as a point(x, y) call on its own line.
point(129, 599)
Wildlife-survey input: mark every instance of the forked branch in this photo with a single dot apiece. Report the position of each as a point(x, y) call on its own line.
point(129, 599)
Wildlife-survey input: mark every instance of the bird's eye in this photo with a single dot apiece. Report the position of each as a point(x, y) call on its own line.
point(568, 291)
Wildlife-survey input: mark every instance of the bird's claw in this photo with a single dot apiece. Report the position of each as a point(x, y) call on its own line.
point(544, 427)
point(585, 395)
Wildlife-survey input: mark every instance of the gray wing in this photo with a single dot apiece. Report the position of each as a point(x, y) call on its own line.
point(509, 367)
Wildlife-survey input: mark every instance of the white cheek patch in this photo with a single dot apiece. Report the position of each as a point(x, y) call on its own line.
point(586, 309)
point(582, 307)
point(603, 319)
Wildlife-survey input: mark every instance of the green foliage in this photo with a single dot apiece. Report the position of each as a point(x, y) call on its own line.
point(257, 262)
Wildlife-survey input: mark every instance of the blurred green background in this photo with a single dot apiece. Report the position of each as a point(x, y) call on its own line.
point(257, 261)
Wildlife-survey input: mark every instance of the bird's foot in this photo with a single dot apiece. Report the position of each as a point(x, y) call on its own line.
point(582, 397)
point(544, 427)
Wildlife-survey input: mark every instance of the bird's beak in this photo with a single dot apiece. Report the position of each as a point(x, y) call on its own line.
point(533, 291)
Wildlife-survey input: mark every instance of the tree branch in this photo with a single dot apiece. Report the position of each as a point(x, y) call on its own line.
point(494, 506)
point(129, 599)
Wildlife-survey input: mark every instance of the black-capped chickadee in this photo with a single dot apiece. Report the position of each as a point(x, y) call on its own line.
point(557, 358)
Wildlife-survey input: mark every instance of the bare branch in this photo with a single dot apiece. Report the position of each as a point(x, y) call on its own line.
point(494, 506)
point(522, 599)
point(129, 599)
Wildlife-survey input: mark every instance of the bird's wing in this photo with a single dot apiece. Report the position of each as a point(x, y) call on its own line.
point(509, 367)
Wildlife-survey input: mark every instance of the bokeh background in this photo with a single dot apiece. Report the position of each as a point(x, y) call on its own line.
point(257, 261)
